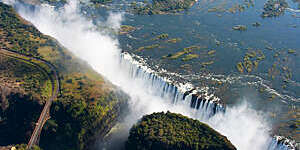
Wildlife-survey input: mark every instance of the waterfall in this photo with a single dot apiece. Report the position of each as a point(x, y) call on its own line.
point(206, 104)
point(149, 92)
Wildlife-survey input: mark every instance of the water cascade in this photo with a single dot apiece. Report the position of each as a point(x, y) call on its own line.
point(149, 92)
point(207, 104)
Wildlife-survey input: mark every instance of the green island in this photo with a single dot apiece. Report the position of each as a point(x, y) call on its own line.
point(190, 57)
point(186, 50)
point(279, 70)
point(236, 7)
point(161, 37)
point(274, 8)
point(171, 131)
point(147, 47)
point(250, 61)
point(211, 52)
point(174, 40)
point(187, 54)
point(125, 29)
point(291, 51)
point(204, 64)
point(240, 28)
point(162, 7)
point(86, 107)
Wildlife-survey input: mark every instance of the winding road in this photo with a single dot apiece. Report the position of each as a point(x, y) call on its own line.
point(45, 115)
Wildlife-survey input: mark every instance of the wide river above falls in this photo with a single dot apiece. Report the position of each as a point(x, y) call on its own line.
point(271, 44)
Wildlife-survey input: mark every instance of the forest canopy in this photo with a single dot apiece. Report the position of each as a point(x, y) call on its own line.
point(171, 131)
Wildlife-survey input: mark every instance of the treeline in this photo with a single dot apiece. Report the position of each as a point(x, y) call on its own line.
point(171, 131)
point(87, 106)
point(19, 35)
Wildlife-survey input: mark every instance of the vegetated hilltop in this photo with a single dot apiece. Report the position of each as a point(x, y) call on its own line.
point(86, 107)
point(162, 6)
point(171, 131)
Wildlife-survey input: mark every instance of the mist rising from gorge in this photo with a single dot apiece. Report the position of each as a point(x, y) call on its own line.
point(243, 126)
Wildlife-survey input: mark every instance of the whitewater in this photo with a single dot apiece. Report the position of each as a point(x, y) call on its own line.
point(246, 128)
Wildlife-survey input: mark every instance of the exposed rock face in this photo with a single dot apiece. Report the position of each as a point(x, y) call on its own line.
point(170, 131)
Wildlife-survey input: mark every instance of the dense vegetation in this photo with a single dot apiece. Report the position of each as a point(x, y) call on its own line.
point(19, 73)
point(170, 131)
point(17, 34)
point(18, 118)
point(87, 105)
point(162, 7)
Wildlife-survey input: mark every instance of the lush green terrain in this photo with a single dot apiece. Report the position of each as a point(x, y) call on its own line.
point(163, 6)
point(86, 108)
point(170, 131)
